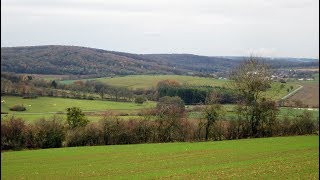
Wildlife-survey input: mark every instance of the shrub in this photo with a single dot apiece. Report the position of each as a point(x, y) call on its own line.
point(169, 127)
point(114, 131)
point(187, 131)
point(142, 130)
point(123, 114)
point(93, 135)
point(147, 112)
point(30, 96)
point(305, 123)
point(74, 137)
point(90, 97)
point(18, 108)
point(49, 133)
point(140, 100)
point(13, 134)
point(232, 129)
point(90, 135)
point(299, 125)
point(31, 141)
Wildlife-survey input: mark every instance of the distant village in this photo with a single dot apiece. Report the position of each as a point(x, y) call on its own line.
point(280, 75)
point(284, 75)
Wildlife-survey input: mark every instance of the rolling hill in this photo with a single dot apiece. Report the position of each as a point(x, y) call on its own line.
point(74, 60)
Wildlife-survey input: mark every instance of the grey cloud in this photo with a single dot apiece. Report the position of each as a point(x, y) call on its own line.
point(208, 27)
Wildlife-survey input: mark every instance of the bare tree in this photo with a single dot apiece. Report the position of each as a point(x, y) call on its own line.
point(170, 111)
point(212, 112)
point(250, 79)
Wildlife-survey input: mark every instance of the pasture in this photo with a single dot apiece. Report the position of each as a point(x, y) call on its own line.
point(45, 107)
point(150, 81)
point(277, 90)
point(262, 158)
point(52, 104)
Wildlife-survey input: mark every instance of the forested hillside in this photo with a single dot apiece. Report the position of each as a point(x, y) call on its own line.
point(73, 60)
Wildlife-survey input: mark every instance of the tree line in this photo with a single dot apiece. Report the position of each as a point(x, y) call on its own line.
point(29, 87)
point(169, 125)
point(195, 94)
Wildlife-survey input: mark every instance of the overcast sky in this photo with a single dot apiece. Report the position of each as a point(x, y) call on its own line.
point(286, 28)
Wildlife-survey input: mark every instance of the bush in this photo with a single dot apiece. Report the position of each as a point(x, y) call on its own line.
point(147, 112)
point(13, 134)
point(300, 125)
point(48, 133)
point(74, 137)
point(141, 130)
point(85, 136)
point(18, 108)
point(31, 141)
point(123, 114)
point(90, 97)
point(170, 127)
point(30, 96)
point(114, 130)
point(305, 123)
point(140, 100)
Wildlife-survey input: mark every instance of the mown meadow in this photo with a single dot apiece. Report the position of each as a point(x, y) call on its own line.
point(46, 107)
point(150, 81)
point(52, 104)
point(277, 90)
point(262, 158)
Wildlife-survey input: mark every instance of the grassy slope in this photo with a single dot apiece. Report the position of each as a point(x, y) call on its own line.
point(150, 81)
point(51, 104)
point(47, 106)
point(281, 157)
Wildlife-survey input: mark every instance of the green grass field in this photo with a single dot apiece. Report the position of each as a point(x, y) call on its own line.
point(150, 81)
point(45, 107)
point(52, 104)
point(277, 92)
point(263, 158)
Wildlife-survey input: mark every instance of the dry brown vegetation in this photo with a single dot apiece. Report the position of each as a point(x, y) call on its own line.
point(308, 95)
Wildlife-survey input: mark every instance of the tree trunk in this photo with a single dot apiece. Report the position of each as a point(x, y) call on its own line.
point(207, 130)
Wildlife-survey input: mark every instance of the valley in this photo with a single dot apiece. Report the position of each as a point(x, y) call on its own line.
point(155, 108)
